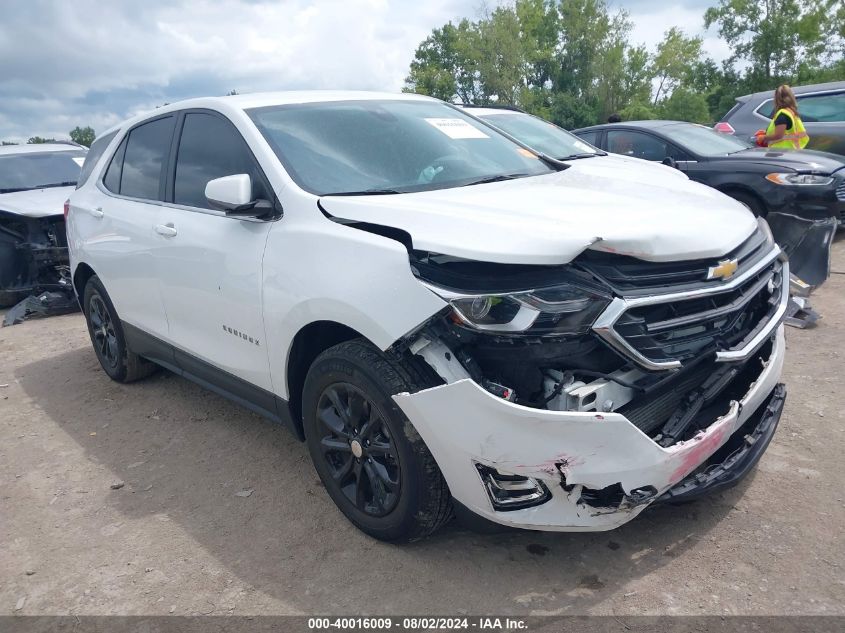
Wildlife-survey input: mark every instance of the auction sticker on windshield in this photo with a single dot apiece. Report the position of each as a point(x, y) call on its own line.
point(456, 128)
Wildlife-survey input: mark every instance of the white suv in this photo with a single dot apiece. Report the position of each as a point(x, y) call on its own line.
point(451, 322)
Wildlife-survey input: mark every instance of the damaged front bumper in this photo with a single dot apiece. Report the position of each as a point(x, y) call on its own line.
point(599, 469)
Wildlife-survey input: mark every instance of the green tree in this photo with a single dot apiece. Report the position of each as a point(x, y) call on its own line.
point(675, 57)
point(35, 140)
point(83, 135)
point(775, 37)
point(685, 105)
point(444, 64)
point(637, 112)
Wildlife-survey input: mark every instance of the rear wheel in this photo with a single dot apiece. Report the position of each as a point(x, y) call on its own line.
point(373, 463)
point(106, 332)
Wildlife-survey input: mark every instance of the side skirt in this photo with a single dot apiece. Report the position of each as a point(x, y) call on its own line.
point(206, 375)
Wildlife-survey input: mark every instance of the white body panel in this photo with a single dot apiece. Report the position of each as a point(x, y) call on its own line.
point(461, 422)
point(551, 219)
point(36, 203)
point(115, 237)
point(209, 273)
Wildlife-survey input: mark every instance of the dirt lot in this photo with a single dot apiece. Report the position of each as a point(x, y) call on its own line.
point(177, 539)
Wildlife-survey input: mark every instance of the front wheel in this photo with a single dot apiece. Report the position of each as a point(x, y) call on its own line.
point(373, 463)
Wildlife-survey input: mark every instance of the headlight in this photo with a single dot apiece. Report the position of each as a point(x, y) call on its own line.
point(563, 309)
point(799, 179)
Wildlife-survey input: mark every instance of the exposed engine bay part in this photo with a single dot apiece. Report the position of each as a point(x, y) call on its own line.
point(34, 266)
point(807, 242)
point(800, 314)
point(48, 303)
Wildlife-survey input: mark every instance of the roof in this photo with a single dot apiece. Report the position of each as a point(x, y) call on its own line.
point(34, 148)
point(645, 125)
point(264, 99)
point(799, 90)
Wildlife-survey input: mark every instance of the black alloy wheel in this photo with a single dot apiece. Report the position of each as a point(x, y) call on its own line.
point(358, 449)
point(102, 332)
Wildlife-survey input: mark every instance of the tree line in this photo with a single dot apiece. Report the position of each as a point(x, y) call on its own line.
point(573, 61)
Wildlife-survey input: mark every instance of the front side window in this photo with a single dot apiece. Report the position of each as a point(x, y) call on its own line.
point(637, 144)
point(388, 146)
point(210, 148)
point(40, 170)
point(147, 148)
point(829, 108)
point(704, 141)
point(541, 135)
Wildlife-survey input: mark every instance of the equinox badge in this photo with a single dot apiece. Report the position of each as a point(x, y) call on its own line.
point(723, 270)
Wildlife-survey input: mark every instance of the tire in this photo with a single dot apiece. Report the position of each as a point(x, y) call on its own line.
point(106, 332)
point(750, 201)
point(371, 460)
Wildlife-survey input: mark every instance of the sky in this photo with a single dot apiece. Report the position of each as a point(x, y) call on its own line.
point(96, 63)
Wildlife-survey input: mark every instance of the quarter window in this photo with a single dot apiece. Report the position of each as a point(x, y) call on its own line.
point(97, 148)
point(210, 147)
point(111, 180)
point(146, 154)
point(591, 137)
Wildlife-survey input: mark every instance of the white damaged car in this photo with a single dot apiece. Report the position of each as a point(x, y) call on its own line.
point(35, 182)
point(452, 322)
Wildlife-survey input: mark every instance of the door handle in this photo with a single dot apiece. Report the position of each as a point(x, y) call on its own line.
point(97, 213)
point(168, 230)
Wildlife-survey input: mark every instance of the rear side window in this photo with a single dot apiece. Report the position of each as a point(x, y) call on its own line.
point(211, 147)
point(827, 108)
point(97, 148)
point(145, 155)
point(637, 144)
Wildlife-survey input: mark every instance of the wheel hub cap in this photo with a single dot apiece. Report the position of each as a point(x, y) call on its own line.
point(357, 449)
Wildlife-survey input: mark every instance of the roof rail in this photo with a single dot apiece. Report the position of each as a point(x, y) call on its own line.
point(492, 106)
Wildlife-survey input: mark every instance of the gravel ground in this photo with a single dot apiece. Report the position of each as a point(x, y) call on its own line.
point(176, 537)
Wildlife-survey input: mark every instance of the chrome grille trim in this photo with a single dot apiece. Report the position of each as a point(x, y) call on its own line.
point(604, 325)
point(840, 191)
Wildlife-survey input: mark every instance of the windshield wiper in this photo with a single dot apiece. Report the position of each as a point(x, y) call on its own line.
point(69, 183)
point(497, 178)
point(365, 192)
point(582, 155)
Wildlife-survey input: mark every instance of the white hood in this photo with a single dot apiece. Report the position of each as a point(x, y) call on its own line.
point(605, 203)
point(36, 203)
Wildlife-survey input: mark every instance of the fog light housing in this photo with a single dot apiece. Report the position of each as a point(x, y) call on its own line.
point(512, 492)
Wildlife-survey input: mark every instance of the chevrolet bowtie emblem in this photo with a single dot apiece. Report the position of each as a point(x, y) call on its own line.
point(723, 270)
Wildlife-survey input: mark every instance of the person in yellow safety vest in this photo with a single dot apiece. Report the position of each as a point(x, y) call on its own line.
point(786, 130)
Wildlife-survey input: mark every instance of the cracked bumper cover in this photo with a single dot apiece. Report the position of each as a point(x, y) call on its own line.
point(463, 424)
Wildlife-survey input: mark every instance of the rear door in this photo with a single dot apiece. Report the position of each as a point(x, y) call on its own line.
point(210, 264)
point(115, 221)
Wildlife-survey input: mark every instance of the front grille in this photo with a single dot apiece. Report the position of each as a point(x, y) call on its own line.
point(840, 191)
point(685, 329)
point(632, 277)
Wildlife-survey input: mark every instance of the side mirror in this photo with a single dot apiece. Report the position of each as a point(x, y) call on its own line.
point(233, 194)
point(670, 162)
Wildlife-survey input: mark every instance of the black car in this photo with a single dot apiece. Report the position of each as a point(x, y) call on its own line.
point(800, 192)
point(806, 183)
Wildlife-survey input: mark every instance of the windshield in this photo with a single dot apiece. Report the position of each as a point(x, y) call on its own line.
point(543, 136)
point(19, 172)
point(388, 146)
point(704, 141)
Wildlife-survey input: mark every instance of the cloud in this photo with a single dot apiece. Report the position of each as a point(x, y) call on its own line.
point(93, 63)
point(90, 62)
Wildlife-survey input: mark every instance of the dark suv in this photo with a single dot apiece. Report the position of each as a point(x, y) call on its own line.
point(822, 108)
